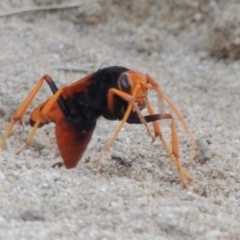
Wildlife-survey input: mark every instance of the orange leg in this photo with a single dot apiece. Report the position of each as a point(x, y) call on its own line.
point(43, 114)
point(174, 151)
point(175, 143)
point(128, 98)
point(23, 107)
point(132, 105)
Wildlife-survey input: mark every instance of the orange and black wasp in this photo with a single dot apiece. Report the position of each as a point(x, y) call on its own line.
point(116, 93)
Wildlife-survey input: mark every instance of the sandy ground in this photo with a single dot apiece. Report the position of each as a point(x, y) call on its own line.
point(102, 199)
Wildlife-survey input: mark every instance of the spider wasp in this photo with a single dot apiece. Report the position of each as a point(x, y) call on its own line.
point(116, 93)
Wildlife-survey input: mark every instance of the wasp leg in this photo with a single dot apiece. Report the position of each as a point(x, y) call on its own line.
point(175, 144)
point(23, 107)
point(132, 105)
point(128, 98)
point(43, 114)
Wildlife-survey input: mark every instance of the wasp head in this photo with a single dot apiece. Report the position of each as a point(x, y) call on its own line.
point(135, 84)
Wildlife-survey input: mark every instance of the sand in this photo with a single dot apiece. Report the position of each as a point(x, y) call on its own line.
point(102, 199)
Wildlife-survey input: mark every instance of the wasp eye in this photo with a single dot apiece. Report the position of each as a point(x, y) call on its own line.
point(125, 83)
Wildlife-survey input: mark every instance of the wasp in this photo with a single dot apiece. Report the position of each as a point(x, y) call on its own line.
point(115, 93)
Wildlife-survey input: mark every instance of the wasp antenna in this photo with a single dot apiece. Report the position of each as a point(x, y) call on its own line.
point(179, 115)
point(161, 95)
